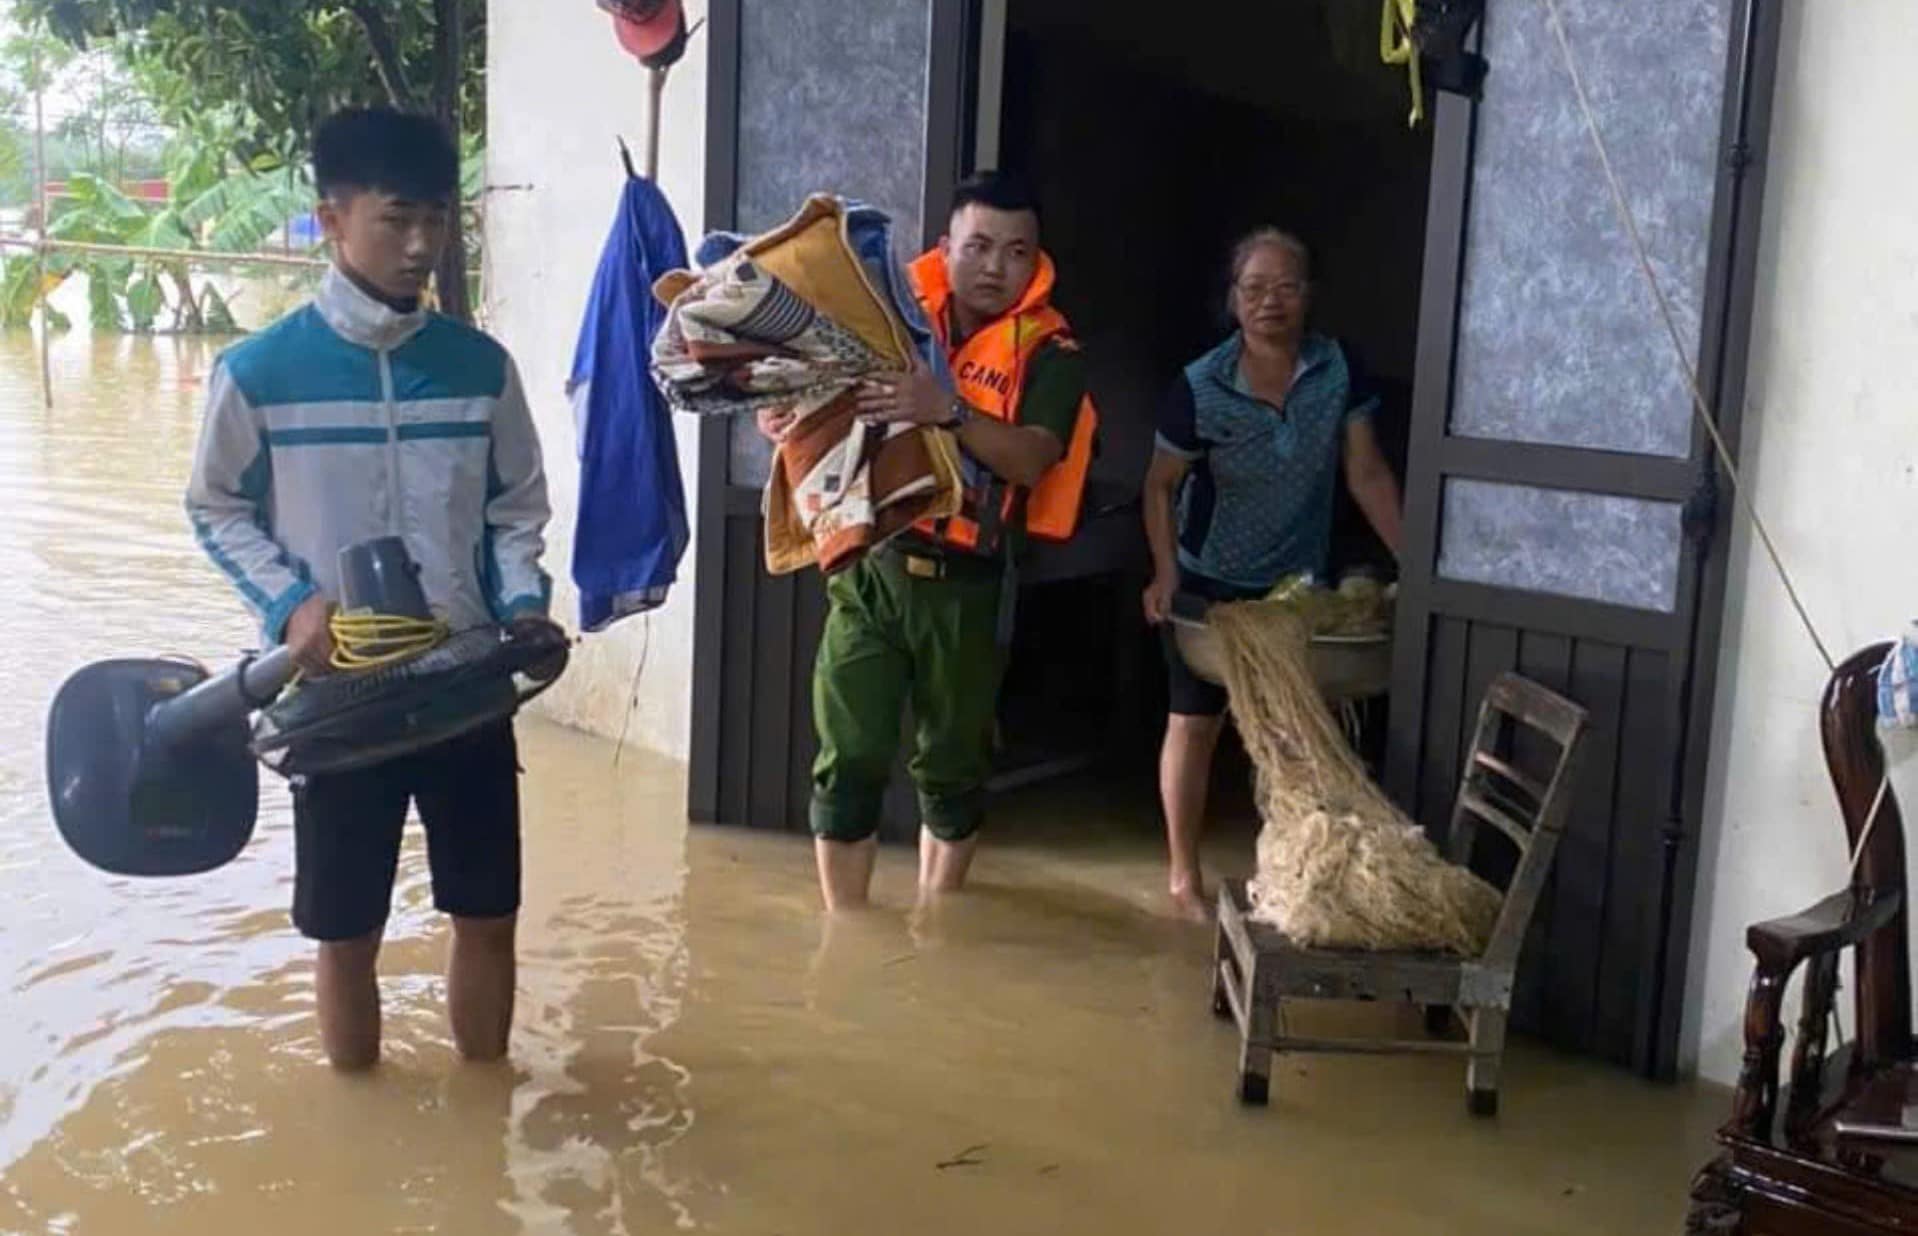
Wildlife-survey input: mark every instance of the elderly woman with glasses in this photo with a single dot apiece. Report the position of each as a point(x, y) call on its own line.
point(1252, 439)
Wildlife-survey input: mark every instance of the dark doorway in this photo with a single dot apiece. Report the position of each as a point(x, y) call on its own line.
point(1154, 146)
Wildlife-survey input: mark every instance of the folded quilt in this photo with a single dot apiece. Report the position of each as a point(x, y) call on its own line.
point(793, 320)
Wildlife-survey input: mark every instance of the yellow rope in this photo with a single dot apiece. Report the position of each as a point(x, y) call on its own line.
point(1396, 47)
point(364, 641)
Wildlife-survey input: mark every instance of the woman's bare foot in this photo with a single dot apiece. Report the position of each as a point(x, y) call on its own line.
point(1188, 901)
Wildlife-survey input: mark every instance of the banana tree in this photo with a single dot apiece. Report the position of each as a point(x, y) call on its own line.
point(235, 214)
point(22, 288)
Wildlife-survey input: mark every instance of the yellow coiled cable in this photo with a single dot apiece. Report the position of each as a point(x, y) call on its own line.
point(364, 641)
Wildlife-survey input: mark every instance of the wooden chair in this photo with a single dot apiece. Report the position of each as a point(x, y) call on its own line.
point(1257, 967)
point(1793, 1172)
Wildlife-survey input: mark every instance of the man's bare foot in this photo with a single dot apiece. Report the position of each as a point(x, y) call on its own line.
point(1189, 902)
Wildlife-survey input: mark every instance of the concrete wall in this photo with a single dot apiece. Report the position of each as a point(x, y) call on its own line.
point(1831, 457)
point(560, 91)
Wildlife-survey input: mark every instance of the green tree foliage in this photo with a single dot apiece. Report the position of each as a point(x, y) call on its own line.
point(213, 207)
point(292, 62)
point(114, 122)
point(286, 64)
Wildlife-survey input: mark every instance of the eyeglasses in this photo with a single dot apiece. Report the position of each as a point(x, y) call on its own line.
point(1258, 290)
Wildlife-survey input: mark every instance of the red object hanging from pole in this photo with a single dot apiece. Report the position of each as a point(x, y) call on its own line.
point(653, 31)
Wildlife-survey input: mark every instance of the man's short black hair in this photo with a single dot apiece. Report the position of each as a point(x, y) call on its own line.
point(999, 190)
point(378, 148)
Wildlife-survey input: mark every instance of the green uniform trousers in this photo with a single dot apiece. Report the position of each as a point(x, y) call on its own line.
point(892, 636)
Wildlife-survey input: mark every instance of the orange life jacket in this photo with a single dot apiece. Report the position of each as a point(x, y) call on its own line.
point(990, 371)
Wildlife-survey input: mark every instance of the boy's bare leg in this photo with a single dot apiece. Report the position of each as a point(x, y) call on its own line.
point(481, 975)
point(347, 983)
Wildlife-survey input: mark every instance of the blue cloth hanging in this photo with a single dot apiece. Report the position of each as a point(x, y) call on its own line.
point(632, 527)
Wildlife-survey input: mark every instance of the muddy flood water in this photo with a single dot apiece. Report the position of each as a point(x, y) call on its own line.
point(696, 1047)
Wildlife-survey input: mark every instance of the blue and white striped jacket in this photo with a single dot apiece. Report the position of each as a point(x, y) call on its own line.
point(346, 421)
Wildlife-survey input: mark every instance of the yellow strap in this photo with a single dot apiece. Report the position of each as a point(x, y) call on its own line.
point(1396, 47)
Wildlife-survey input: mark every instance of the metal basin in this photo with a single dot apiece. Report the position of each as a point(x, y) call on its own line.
point(1346, 667)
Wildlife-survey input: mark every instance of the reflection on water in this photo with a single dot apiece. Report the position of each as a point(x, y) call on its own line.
point(92, 548)
point(695, 1047)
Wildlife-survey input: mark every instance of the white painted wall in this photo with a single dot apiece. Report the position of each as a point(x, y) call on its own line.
point(1831, 456)
point(560, 89)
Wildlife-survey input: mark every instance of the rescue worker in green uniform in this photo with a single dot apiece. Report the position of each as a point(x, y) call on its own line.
point(925, 619)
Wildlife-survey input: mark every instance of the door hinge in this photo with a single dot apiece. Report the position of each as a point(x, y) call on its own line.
point(1739, 157)
point(1699, 515)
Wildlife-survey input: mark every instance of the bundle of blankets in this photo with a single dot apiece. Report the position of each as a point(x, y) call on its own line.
point(798, 319)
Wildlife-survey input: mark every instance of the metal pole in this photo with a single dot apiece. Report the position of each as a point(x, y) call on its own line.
point(658, 91)
point(204, 257)
point(208, 258)
point(40, 247)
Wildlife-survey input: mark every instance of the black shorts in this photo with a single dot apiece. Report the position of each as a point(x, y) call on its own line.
point(1189, 695)
point(346, 831)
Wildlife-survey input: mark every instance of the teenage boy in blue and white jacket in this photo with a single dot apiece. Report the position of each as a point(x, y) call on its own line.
point(363, 415)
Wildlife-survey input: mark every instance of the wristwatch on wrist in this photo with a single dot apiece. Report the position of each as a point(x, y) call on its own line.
point(960, 415)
